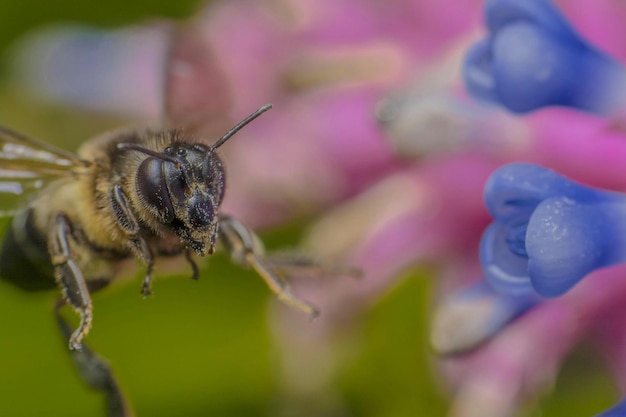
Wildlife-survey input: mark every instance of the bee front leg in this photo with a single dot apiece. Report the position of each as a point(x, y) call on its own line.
point(128, 222)
point(96, 372)
point(246, 249)
point(69, 277)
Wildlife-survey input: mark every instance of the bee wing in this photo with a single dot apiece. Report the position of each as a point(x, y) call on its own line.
point(26, 165)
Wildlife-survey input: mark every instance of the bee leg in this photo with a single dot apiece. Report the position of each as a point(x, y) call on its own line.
point(69, 277)
point(146, 255)
point(305, 265)
point(246, 249)
point(96, 372)
point(128, 222)
point(195, 272)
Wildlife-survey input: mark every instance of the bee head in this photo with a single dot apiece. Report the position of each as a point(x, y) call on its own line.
point(183, 187)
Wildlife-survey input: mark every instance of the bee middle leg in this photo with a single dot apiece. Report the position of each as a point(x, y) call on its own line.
point(247, 249)
point(69, 277)
point(128, 222)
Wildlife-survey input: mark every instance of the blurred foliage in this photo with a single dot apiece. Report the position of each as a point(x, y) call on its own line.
point(204, 348)
point(19, 17)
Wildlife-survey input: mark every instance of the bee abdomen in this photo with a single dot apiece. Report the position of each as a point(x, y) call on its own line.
point(24, 258)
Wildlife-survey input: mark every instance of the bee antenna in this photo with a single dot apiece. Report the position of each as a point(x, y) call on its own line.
point(239, 125)
point(139, 148)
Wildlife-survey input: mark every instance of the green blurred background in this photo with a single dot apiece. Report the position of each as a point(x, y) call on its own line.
point(205, 348)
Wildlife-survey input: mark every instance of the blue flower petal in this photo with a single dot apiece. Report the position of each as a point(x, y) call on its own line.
point(505, 270)
point(500, 13)
point(515, 190)
point(477, 72)
point(566, 240)
point(532, 68)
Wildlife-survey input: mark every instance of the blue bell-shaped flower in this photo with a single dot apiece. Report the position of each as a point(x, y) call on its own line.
point(548, 232)
point(532, 58)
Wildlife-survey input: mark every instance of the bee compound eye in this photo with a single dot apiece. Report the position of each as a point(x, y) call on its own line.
point(213, 174)
point(152, 187)
point(174, 182)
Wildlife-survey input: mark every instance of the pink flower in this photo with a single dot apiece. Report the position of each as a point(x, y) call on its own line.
point(363, 99)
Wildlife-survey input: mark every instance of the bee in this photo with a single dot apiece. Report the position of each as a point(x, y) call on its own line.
point(126, 194)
